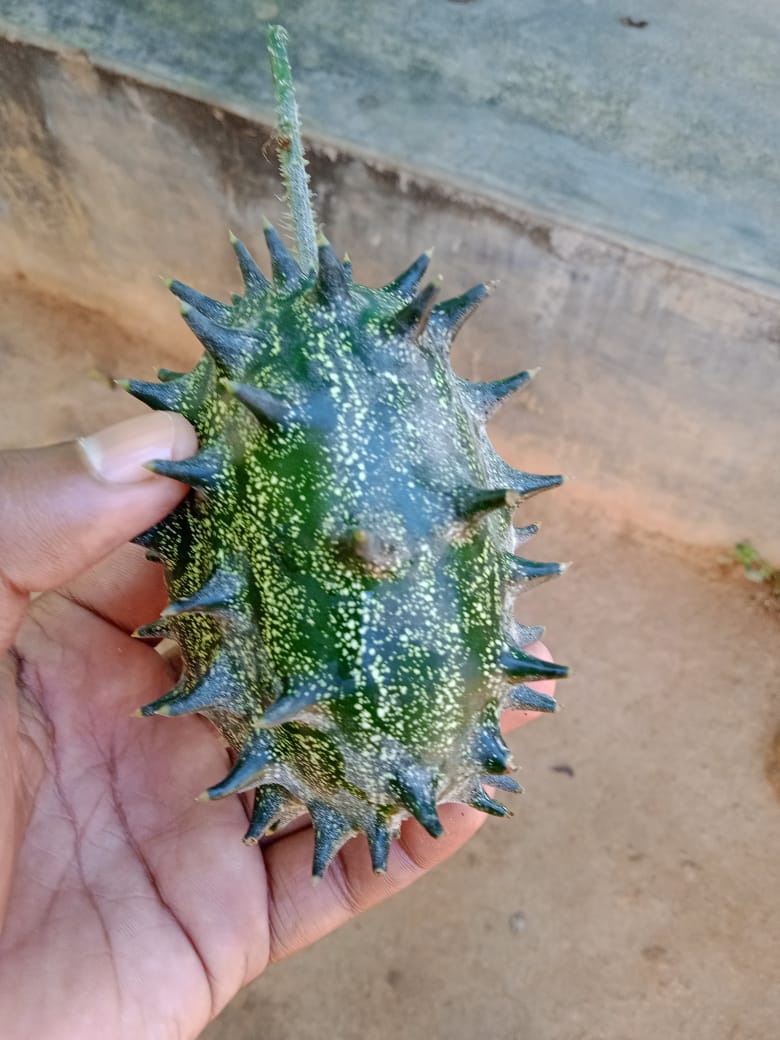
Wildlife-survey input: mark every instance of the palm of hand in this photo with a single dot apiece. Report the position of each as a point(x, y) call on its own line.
point(134, 910)
point(132, 905)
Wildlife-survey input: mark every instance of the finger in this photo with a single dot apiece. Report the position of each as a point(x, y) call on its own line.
point(65, 507)
point(300, 912)
point(124, 589)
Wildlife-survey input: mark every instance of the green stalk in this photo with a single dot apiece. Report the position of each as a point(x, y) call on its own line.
point(290, 151)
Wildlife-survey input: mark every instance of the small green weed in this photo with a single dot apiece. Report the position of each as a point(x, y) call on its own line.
point(756, 568)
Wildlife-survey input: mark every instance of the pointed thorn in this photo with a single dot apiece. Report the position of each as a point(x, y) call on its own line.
point(490, 750)
point(522, 636)
point(286, 272)
point(204, 796)
point(213, 309)
point(332, 285)
point(485, 398)
point(530, 484)
point(503, 783)
point(300, 695)
point(215, 689)
point(167, 375)
point(255, 282)
point(154, 630)
point(447, 317)
point(482, 801)
point(475, 503)
point(331, 830)
point(155, 707)
point(247, 770)
point(200, 471)
point(519, 665)
point(152, 537)
point(413, 785)
point(523, 698)
point(230, 348)
point(379, 846)
point(167, 396)
point(286, 709)
point(406, 284)
point(267, 805)
point(220, 595)
point(532, 572)
point(520, 535)
point(269, 409)
point(409, 317)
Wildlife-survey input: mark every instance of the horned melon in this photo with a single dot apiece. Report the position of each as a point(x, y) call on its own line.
point(342, 573)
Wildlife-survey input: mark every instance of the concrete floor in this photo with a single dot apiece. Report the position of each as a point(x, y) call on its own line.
point(634, 894)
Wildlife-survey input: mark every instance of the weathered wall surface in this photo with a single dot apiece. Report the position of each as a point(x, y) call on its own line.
point(659, 390)
point(668, 133)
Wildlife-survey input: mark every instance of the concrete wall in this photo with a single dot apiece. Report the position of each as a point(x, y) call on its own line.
point(667, 134)
point(659, 390)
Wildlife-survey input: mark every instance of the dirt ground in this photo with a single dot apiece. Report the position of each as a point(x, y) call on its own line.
point(634, 895)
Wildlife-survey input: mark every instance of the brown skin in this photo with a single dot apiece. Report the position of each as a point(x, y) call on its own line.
point(129, 909)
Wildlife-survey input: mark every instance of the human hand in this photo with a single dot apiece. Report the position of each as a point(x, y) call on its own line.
point(129, 910)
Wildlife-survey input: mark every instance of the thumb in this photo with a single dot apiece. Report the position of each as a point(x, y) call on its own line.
point(64, 507)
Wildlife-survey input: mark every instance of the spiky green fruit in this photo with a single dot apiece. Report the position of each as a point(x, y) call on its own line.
point(342, 573)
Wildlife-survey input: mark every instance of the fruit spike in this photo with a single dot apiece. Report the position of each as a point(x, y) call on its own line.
point(331, 830)
point(415, 789)
point(286, 272)
point(481, 800)
point(254, 758)
point(447, 317)
point(405, 321)
point(298, 698)
point(520, 665)
point(229, 348)
point(211, 308)
point(216, 597)
point(485, 398)
point(332, 281)
point(202, 471)
point(269, 409)
point(478, 502)
point(408, 282)
point(255, 282)
point(525, 699)
point(341, 574)
point(169, 396)
point(268, 806)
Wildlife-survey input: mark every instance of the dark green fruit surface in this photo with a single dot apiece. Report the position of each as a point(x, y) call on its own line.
point(342, 573)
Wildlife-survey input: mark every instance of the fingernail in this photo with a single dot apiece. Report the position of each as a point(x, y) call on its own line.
point(118, 453)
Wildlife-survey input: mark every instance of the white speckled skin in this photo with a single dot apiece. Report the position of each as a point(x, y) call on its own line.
point(342, 593)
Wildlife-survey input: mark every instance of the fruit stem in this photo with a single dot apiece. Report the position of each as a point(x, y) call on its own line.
point(290, 151)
